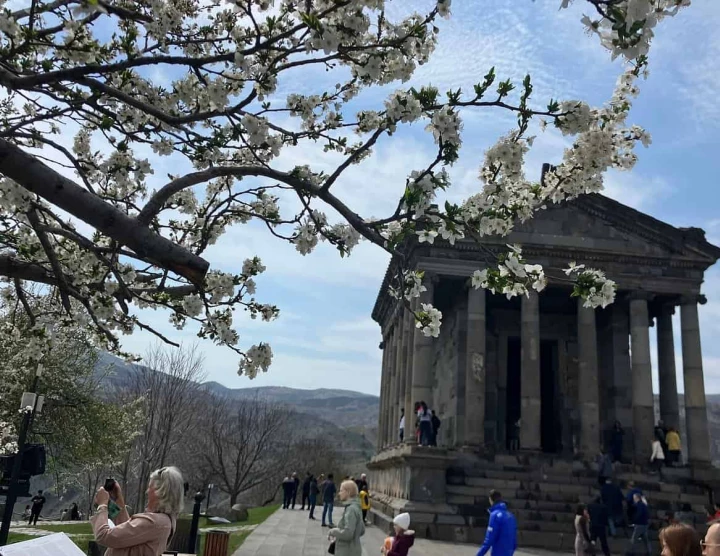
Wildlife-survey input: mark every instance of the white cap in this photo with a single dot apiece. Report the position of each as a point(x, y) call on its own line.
point(402, 521)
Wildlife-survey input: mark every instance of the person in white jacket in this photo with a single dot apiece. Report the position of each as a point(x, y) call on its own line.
point(657, 459)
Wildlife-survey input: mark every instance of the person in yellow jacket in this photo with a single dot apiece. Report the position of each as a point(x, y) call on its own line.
point(672, 438)
point(364, 503)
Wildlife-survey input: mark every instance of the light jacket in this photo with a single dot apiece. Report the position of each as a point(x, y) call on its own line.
point(501, 534)
point(657, 451)
point(349, 530)
point(673, 441)
point(146, 534)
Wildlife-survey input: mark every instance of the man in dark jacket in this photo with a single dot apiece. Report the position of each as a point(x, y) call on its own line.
point(435, 422)
point(599, 517)
point(312, 496)
point(630, 496)
point(641, 518)
point(501, 534)
point(362, 483)
point(328, 493)
point(306, 490)
point(296, 487)
point(612, 497)
point(287, 486)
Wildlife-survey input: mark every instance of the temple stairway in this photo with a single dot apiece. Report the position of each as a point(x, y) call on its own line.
point(544, 494)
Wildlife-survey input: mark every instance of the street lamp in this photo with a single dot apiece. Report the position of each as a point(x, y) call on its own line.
point(35, 403)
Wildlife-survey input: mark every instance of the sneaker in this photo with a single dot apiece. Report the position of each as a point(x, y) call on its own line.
point(323, 525)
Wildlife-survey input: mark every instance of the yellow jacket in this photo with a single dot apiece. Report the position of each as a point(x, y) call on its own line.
point(673, 440)
point(364, 500)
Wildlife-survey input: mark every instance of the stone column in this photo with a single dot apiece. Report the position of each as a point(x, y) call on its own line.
point(399, 385)
point(474, 429)
point(383, 381)
point(409, 349)
point(696, 422)
point(392, 381)
point(588, 401)
point(669, 412)
point(642, 394)
point(422, 383)
point(530, 373)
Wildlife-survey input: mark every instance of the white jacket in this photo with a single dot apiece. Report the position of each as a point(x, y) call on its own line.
point(657, 451)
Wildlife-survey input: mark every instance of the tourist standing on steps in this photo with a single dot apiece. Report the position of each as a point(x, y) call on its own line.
point(401, 426)
point(612, 498)
point(514, 434)
point(657, 458)
point(501, 533)
point(312, 496)
point(630, 499)
point(679, 539)
point(583, 543)
point(641, 518)
point(660, 434)
point(605, 467)
point(328, 493)
point(306, 491)
point(351, 525)
point(425, 418)
point(672, 439)
point(599, 520)
point(616, 441)
point(435, 422)
point(37, 501)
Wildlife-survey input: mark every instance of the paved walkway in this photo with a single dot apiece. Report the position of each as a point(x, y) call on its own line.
point(291, 533)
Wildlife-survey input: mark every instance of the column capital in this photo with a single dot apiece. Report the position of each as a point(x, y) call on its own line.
point(665, 308)
point(693, 299)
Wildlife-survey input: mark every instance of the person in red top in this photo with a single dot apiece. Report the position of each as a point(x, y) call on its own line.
point(404, 537)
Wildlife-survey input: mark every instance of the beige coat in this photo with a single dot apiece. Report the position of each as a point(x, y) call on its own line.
point(146, 534)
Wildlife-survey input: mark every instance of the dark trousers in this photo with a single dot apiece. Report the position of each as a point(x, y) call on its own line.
point(34, 515)
point(600, 533)
point(311, 505)
point(364, 512)
point(287, 498)
point(305, 497)
point(294, 498)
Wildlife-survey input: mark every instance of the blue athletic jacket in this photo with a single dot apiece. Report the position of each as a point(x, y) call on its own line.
point(501, 535)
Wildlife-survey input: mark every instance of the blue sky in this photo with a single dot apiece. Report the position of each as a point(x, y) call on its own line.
point(325, 336)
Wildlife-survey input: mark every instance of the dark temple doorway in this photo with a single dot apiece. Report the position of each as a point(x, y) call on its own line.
point(513, 390)
point(550, 433)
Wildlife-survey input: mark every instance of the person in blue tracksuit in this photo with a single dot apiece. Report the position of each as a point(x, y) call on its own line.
point(501, 535)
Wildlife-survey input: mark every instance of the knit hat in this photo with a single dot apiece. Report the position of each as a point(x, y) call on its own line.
point(402, 521)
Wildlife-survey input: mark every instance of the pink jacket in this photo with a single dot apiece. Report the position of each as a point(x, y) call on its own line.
point(146, 534)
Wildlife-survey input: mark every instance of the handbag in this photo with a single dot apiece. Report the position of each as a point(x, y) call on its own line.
point(331, 548)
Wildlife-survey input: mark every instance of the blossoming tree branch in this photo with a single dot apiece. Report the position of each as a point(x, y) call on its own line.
point(90, 85)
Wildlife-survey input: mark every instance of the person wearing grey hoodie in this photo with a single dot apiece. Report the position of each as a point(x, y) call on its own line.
point(351, 526)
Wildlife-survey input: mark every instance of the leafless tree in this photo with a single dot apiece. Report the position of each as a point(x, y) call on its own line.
point(243, 444)
point(169, 386)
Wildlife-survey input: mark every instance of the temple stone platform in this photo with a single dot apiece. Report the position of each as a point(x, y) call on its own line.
point(446, 493)
point(291, 533)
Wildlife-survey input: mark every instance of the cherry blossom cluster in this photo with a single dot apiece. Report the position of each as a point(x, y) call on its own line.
point(591, 285)
point(512, 277)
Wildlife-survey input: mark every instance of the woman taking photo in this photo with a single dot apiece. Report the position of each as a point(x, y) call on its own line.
point(680, 539)
point(351, 526)
point(145, 534)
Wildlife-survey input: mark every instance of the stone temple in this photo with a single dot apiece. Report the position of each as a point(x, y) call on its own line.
point(566, 372)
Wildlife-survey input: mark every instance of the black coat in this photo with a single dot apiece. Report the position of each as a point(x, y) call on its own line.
point(306, 487)
point(599, 515)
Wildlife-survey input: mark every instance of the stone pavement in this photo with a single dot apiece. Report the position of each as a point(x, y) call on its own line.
point(291, 533)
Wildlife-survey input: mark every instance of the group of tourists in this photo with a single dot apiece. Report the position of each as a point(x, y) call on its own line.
point(427, 425)
point(666, 448)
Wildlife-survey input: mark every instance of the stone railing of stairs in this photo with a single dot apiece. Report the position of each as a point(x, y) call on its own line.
point(544, 494)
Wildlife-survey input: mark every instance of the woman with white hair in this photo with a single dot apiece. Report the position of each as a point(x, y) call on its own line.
point(351, 526)
point(148, 533)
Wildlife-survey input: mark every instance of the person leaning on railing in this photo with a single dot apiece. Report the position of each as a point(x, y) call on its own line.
point(147, 533)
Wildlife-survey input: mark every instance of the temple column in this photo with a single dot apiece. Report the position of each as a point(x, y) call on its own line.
point(669, 412)
point(530, 373)
point(381, 413)
point(408, 401)
point(696, 422)
point(642, 393)
point(474, 429)
point(422, 380)
point(392, 365)
point(588, 381)
point(399, 377)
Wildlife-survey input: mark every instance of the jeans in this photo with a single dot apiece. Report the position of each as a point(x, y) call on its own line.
point(640, 531)
point(425, 433)
point(611, 525)
point(311, 505)
point(304, 500)
point(327, 510)
point(402, 435)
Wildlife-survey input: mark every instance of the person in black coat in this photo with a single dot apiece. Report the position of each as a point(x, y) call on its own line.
point(616, 441)
point(306, 491)
point(612, 498)
point(295, 488)
point(599, 518)
point(287, 486)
